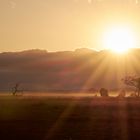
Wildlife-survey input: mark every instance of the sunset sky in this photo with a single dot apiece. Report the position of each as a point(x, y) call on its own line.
point(58, 25)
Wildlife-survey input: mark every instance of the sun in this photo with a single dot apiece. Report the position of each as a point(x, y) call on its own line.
point(119, 39)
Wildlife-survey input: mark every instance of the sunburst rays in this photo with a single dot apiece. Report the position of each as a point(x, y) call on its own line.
point(61, 119)
point(110, 69)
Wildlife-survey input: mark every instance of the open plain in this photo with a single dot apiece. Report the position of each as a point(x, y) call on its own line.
point(69, 117)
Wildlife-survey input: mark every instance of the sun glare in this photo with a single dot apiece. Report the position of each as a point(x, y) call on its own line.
point(119, 39)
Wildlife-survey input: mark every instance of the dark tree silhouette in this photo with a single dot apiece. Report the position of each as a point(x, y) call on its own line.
point(133, 81)
point(104, 92)
point(15, 89)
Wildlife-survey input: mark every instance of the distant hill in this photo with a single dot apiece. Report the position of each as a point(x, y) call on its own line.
point(82, 69)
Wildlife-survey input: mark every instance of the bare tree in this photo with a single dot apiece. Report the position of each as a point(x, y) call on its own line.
point(133, 81)
point(15, 89)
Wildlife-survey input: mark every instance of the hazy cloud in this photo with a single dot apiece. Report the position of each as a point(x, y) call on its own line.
point(137, 1)
point(89, 1)
point(76, 1)
point(12, 4)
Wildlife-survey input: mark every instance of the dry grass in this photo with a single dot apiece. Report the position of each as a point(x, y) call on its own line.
point(69, 117)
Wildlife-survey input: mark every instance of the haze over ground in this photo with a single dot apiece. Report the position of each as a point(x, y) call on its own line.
point(65, 25)
point(70, 70)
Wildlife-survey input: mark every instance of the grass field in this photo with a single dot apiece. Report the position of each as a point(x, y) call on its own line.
point(69, 117)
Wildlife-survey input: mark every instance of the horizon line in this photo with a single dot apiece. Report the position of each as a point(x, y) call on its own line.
point(45, 50)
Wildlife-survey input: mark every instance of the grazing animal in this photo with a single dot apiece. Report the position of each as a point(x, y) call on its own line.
point(122, 93)
point(133, 94)
point(104, 92)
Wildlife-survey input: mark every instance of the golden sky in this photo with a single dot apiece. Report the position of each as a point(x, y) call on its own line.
point(57, 25)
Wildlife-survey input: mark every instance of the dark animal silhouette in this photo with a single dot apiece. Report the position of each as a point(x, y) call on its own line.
point(104, 92)
point(122, 93)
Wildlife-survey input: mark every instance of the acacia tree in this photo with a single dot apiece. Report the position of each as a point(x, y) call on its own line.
point(133, 81)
